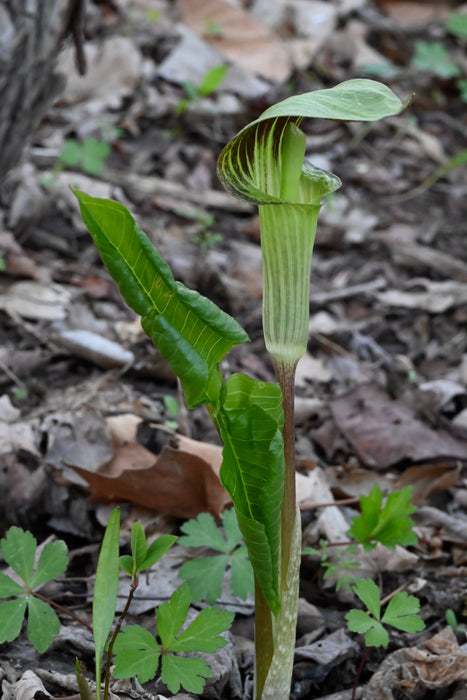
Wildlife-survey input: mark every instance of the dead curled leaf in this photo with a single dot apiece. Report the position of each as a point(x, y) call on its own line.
point(183, 480)
point(437, 663)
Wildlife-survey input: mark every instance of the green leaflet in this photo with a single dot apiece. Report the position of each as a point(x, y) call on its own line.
point(250, 421)
point(191, 332)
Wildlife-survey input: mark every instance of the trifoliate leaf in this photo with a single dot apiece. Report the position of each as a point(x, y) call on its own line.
point(156, 550)
point(401, 613)
point(204, 575)
point(52, 563)
point(242, 582)
point(203, 532)
point(137, 654)
point(8, 587)
point(18, 549)
point(434, 57)
point(204, 632)
point(11, 619)
point(138, 544)
point(172, 615)
point(43, 624)
point(368, 592)
point(187, 672)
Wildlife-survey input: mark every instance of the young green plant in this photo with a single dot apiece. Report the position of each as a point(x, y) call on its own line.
point(401, 613)
point(264, 164)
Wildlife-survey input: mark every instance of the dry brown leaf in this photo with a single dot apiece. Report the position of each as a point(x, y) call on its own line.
point(426, 479)
point(182, 481)
point(384, 432)
point(437, 663)
point(414, 12)
point(242, 38)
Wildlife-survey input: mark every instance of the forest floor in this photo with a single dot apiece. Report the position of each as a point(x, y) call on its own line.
point(382, 391)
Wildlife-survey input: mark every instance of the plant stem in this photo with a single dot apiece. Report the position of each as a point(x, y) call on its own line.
point(133, 587)
point(62, 609)
point(359, 672)
point(286, 377)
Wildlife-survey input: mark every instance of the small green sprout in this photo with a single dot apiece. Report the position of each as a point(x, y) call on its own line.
point(209, 84)
point(434, 58)
point(451, 620)
point(389, 524)
point(401, 613)
point(205, 574)
point(457, 24)
point(90, 155)
point(335, 567)
point(172, 408)
point(138, 652)
point(143, 557)
point(213, 28)
point(19, 551)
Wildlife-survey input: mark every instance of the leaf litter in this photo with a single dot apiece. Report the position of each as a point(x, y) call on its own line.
point(383, 389)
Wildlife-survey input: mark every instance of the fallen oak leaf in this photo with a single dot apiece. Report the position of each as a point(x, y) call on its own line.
point(178, 482)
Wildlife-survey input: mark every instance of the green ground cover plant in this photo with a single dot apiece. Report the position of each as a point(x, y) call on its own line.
point(208, 85)
point(401, 613)
point(263, 164)
point(205, 574)
point(135, 651)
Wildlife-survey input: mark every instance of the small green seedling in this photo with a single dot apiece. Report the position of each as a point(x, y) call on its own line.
point(143, 557)
point(335, 566)
point(138, 652)
point(90, 155)
point(457, 24)
point(172, 408)
point(19, 551)
point(401, 613)
point(213, 28)
point(451, 620)
point(209, 84)
point(205, 574)
point(433, 57)
point(388, 524)
point(203, 237)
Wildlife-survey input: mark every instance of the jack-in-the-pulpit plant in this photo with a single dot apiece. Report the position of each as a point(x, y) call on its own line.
point(265, 164)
